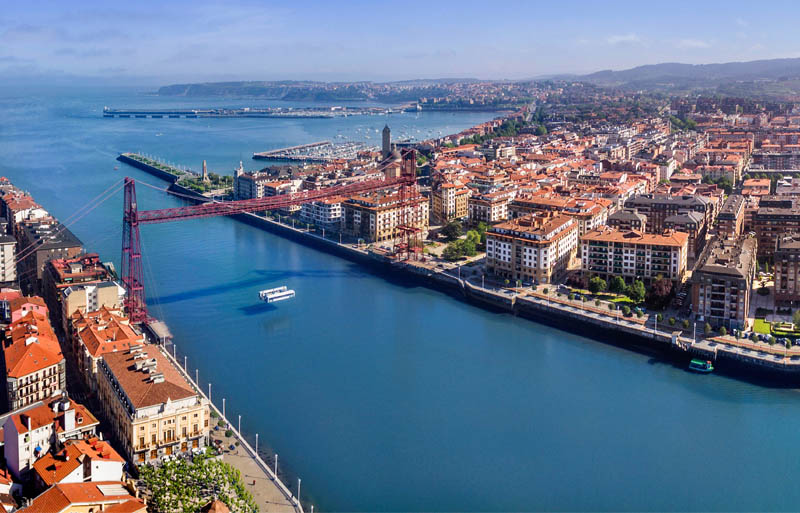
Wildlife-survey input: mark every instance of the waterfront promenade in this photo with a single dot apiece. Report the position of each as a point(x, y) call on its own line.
point(269, 492)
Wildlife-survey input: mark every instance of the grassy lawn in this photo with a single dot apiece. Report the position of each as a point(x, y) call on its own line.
point(761, 326)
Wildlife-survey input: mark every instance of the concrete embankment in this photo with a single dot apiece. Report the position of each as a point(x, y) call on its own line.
point(584, 320)
point(147, 168)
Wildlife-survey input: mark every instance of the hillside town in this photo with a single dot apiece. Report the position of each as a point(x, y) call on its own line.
point(684, 207)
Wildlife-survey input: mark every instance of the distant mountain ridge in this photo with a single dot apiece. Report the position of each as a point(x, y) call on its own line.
point(696, 75)
point(776, 78)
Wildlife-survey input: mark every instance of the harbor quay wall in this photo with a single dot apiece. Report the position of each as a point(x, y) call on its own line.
point(620, 332)
point(169, 177)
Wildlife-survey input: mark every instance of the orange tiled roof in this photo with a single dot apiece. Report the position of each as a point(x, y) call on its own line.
point(52, 468)
point(104, 331)
point(609, 234)
point(32, 346)
point(43, 415)
point(61, 496)
point(138, 386)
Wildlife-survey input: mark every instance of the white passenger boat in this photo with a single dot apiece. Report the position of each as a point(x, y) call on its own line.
point(276, 294)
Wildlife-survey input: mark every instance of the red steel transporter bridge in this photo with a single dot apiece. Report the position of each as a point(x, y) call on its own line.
point(132, 275)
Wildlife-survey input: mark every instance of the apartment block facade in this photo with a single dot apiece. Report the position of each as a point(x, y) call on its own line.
point(534, 248)
point(608, 252)
point(152, 409)
point(723, 280)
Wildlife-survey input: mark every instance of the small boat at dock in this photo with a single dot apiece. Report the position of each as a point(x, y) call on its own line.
point(276, 294)
point(704, 366)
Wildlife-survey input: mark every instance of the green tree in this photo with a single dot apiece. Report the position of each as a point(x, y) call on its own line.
point(452, 252)
point(672, 321)
point(685, 324)
point(637, 291)
point(617, 285)
point(541, 130)
point(659, 317)
point(597, 285)
point(707, 329)
point(452, 230)
point(753, 337)
point(612, 306)
point(482, 227)
point(474, 237)
point(796, 318)
point(468, 247)
point(723, 331)
point(626, 310)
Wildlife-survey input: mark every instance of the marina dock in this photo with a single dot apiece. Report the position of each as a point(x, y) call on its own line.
point(321, 151)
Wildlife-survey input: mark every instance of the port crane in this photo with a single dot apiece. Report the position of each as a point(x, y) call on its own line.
point(132, 218)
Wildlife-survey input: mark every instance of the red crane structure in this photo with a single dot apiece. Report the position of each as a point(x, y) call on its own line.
point(132, 274)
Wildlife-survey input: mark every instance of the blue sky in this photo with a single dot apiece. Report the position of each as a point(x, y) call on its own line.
point(176, 41)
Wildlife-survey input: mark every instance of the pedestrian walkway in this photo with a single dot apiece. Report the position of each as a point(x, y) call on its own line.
point(268, 491)
point(267, 494)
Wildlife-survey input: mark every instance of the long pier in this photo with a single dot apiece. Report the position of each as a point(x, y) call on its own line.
point(247, 112)
point(156, 168)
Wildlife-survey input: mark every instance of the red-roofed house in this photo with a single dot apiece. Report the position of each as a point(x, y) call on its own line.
point(34, 365)
point(79, 461)
point(105, 496)
point(22, 305)
point(33, 431)
point(97, 333)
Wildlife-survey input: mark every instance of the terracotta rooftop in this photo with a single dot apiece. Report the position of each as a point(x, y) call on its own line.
point(104, 331)
point(62, 496)
point(138, 385)
point(18, 303)
point(608, 234)
point(31, 346)
point(43, 415)
point(52, 468)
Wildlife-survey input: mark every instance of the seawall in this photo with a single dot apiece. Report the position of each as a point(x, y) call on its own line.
point(627, 333)
point(169, 177)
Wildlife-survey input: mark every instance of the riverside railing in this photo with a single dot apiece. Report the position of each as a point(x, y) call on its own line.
point(295, 501)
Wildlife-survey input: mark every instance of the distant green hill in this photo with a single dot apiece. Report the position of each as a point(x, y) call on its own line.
point(314, 91)
point(752, 76)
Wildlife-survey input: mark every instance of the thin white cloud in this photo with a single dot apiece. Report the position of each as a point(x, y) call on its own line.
point(623, 39)
point(742, 23)
point(692, 44)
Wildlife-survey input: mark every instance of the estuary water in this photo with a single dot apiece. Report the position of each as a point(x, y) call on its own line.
point(388, 397)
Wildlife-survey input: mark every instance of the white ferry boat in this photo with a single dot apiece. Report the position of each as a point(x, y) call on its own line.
point(276, 294)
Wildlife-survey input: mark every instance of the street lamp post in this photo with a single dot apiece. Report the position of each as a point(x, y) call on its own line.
point(184, 363)
point(223, 410)
point(276, 464)
point(209, 392)
point(240, 426)
point(256, 444)
point(298, 489)
point(197, 376)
